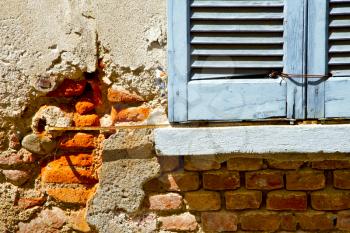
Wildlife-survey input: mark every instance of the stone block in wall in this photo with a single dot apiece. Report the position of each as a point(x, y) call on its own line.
point(245, 164)
point(341, 179)
point(243, 199)
point(203, 200)
point(200, 164)
point(305, 180)
point(78, 141)
point(221, 180)
point(86, 120)
point(331, 164)
point(330, 199)
point(285, 164)
point(183, 222)
point(175, 181)
point(219, 221)
point(77, 195)
point(315, 221)
point(343, 221)
point(260, 221)
point(288, 222)
point(53, 173)
point(169, 163)
point(118, 94)
point(264, 180)
point(286, 200)
point(165, 202)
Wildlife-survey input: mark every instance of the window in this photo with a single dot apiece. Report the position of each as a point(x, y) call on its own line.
point(221, 51)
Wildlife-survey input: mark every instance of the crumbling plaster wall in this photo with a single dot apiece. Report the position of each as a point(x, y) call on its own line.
point(43, 42)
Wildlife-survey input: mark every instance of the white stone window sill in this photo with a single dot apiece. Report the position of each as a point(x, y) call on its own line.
point(253, 139)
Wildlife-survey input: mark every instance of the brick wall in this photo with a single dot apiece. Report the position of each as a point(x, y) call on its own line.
point(251, 194)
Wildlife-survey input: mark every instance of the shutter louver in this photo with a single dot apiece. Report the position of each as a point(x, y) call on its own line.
point(236, 38)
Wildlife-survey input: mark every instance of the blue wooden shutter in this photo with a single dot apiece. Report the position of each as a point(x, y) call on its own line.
point(220, 52)
point(329, 51)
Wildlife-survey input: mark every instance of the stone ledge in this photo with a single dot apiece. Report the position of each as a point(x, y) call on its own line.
point(253, 139)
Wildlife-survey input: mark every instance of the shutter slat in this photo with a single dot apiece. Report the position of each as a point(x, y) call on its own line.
point(270, 3)
point(339, 23)
point(229, 73)
point(340, 60)
point(212, 38)
point(236, 16)
point(236, 28)
point(236, 52)
point(340, 10)
point(340, 34)
point(339, 48)
point(236, 64)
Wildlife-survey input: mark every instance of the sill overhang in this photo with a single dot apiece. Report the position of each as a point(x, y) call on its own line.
point(253, 139)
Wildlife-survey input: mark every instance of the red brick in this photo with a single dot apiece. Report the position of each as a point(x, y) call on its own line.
point(341, 179)
point(286, 200)
point(288, 222)
point(132, 114)
point(169, 163)
point(95, 94)
point(79, 160)
point(165, 202)
point(120, 95)
point(182, 222)
point(330, 200)
point(203, 200)
point(219, 221)
point(69, 88)
point(221, 180)
point(71, 195)
point(305, 180)
point(243, 199)
point(176, 181)
point(343, 221)
point(264, 180)
point(197, 164)
point(285, 164)
point(78, 141)
point(315, 221)
point(331, 164)
point(245, 164)
point(260, 221)
point(86, 120)
point(65, 174)
point(27, 203)
point(84, 106)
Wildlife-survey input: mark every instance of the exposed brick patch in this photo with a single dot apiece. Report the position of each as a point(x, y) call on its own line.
point(331, 164)
point(341, 179)
point(305, 180)
point(330, 200)
point(288, 222)
point(315, 221)
point(182, 222)
point(165, 202)
point(219, 221)
point(78, 141)
point(284, 164)
point(79, 160)
point(221, 180)
point(84, 106)
point(65, 174)
point(27, 203)
point(21, 157)
point(120, 95)
point(264, 180)
point(132, 114)
point(243, 199)
point(286, 200)
point(195, 164)
point(169, 163)
point(343, 221)
point(203, 200)
point(71, 195)
point(69, 88)
point(245, 164)
point(176, 181)
point(260, 221)
point(86, 120)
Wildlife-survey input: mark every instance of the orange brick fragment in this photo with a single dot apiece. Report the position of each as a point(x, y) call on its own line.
point(71, 195)
point(84, 106)
point(27, 203)
point(86, 120)
point(130, 114)
point(120, 95)
point(78, 141)
point(80, 160)
point(54, 173)
point(69, 88)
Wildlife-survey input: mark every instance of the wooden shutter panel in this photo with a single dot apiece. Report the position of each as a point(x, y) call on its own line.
point(231, 47)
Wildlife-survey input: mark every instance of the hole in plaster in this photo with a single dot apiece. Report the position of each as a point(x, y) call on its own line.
point(41, 125)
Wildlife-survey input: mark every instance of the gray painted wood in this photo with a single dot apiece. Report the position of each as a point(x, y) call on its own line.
point(238, 27)
point(227, 63)
point(337, 97)
point(317, 56)
point(241, 39)
point(178, 58)
point(295, 56)
point(236, 99)
point(252, 139)
point(266, 3)
point(236, 15)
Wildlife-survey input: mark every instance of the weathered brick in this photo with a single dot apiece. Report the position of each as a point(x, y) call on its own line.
point(203, 200)
point(245, 164)
point(169, 163)
point(264, 180)
point(219, 221)
point(243, 199)
point(79, 160)
point(260, 221)
point(17, 177)
point(305, 180)
point(288, 222)
point(199, 164)
point(78, 221)
point(176, 181)
point(330, 200)
point(69, 88)
point(165, 202)
point(21, 157)
point(86, 120)
point(284, 164)
point(221, 180)
point(78, 141)
point(132, 114)
point(343, 221)
point(331, 164)
point(84, 106)
point(29, 202)
point(286, 200)
point(341, 179)
point(315, 221)
point(117, 94)
point(182, 222)
point(71, 195)
point(95, 94)
point(65, 174)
